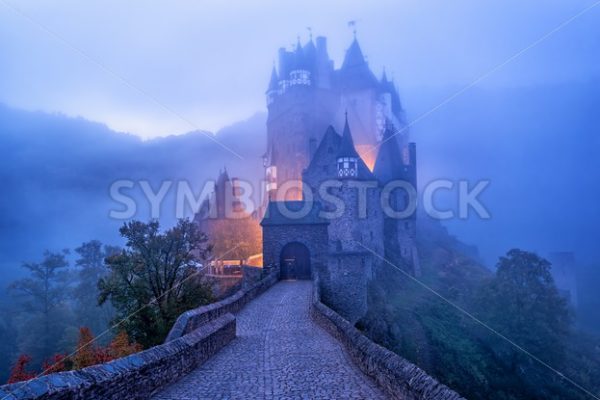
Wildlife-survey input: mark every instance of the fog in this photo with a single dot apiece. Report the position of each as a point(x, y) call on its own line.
point(93, 93)
point(140, 68)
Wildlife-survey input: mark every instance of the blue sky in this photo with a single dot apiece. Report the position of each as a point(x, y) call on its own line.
point(207, 63)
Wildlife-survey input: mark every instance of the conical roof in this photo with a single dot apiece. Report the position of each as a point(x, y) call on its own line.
point(384, 79)
point(347, 148)
point(388, 165)
point(326, 150)
point(299, 59)
point(354, 56)
point(223, 176)
point(355, 72)
point(274, 82)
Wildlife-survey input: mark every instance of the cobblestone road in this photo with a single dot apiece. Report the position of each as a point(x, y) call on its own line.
point(279, 353)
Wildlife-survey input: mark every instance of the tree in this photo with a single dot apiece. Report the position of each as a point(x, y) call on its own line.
point(44, 313)
point(19, 372)
point(154, 279)
point(122, 347)
point(90, 269)
point(87, 350)
point(56, 363)
point(522, 303)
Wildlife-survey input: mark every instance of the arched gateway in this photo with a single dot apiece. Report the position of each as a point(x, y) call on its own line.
point(295, 261)
point(295, 238)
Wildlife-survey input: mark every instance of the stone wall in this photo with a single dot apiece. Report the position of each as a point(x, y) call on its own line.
point(191, 320)
point(195, 337)
point(399, 378)
point(134, 377)
point(314, 237)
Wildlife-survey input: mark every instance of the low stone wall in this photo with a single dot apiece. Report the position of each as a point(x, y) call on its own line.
point(134, 377)
point(399, 378)
point(195, 337)
point(191, 320)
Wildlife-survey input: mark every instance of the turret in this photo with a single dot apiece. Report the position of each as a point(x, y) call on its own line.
point(347, 158)
point(324, 65)
point(388, 87)
point(355, 72)
point(300, 74)
point(273, 88)
point(391, 164)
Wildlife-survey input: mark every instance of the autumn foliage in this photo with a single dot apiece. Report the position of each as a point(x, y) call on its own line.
point(56, 363)
point(88, 353)
point(19, 371)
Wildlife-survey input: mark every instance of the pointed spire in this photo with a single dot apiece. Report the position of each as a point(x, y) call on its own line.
point(310, 51)
point(354, 56)
point(384, 78)
point(223, 175)
point(274, 82)
point(388, 165)
point(347, 148)
point(299, 61)
point(355, 72)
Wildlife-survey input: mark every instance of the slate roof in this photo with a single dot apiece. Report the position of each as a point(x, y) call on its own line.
point(389, 165)
point(347, 148)
point(274, 82)
point(355, 72)
point(327, 150)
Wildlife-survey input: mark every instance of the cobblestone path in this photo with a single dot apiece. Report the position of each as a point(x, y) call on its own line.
point(279, 353)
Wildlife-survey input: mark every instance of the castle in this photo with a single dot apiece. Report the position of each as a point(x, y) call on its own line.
point(306, 95)
point(334, 222)
point(336, 143)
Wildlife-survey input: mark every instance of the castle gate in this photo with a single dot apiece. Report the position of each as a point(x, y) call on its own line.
point(298, 245)
point(295, 261)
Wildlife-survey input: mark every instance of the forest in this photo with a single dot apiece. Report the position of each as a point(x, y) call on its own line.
point(109, 303)
point(505, 334)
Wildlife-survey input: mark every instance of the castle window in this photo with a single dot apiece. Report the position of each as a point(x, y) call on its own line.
point(407, 225)
point(300, 77)
point(330, 149)
point(347, 167)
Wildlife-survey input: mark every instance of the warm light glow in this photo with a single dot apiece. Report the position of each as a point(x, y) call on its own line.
point(368, 153)
point(255, 260)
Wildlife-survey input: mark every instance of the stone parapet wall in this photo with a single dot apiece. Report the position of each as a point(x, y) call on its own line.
point(134, 377)
point(195, 337)
point(191, 320)
point(399, 378)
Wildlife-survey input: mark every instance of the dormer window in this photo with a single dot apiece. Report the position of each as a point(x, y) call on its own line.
point(347, 167)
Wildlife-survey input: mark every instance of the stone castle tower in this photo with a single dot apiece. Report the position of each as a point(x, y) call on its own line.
point(309, 102)
point(306, 94)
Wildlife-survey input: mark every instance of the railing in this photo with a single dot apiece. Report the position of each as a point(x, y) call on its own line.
point(134, 377)
point(195, 337)
point(399, 378)
point(191, 320)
